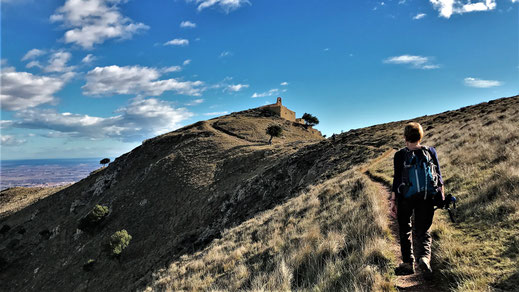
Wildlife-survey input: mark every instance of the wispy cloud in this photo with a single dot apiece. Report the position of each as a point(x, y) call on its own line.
point(58, 62)
point(226, 5)
point(187, 24)
point(418, 62)
point(111, 80)
point(34, 53)
point(235, 87)
point(88, 59)
point(92, 22)
point(9, 140)
point(186, 62)
point(266, 93)
point(171, 69)
point(480, 83)
point(419, 16)
point(447, 8)
point(226, 54)
point(216, 113)
point(177, 42)
point(195, 102)
point(284, 83)
point(140, 119)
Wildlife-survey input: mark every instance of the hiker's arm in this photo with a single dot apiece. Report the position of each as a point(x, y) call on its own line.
point(436, 161)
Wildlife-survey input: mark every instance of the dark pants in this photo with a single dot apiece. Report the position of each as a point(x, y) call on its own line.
point(423, 217)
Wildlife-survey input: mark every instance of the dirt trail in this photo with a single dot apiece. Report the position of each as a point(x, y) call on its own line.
point(415, 282)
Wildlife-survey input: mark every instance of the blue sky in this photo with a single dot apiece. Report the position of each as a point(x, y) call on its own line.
point(92, 78)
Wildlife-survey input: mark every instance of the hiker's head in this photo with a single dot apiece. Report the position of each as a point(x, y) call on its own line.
point(413, 132)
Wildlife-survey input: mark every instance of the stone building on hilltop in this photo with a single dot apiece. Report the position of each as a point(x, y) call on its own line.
point(282, 111)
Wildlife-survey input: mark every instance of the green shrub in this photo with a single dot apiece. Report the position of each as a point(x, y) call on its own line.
point(90, 221)
point(119, 241)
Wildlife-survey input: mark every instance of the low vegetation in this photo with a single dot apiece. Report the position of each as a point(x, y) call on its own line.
point(333, 237)
point(119, 241)
point(93, 218)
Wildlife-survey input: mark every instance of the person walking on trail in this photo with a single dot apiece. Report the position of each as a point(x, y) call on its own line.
point(417, 185)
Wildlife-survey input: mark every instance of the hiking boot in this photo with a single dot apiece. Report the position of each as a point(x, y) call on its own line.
point(404, 269)
point(425, 266)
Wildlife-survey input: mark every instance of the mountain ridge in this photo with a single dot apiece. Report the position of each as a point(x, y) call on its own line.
point(177, 193)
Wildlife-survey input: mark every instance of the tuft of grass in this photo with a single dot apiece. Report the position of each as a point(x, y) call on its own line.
point(89, 265)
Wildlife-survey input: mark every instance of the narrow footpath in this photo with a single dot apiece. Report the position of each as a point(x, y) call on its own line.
point(414, 282)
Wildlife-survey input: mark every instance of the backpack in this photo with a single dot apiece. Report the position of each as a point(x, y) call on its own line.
point(420, 175)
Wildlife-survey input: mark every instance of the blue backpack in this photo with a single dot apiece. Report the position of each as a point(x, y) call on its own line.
point(420, 175)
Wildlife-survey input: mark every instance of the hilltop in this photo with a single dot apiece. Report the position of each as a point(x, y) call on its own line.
point(212, 206)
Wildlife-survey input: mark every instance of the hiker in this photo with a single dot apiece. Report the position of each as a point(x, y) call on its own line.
point(414, 165)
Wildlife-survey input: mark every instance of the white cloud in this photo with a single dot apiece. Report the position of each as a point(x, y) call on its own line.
point(171, 69)
point(136, 121)
point(225, 5)
point(22, 90)
point(195, 102)
point(5, 124)
point(419, 16)
point(418, 62)
point(9, 140)
point(480, 83)
point(187, 24)
point(58, 62)
point(235, 87)
point(186, 62)
point(177, 42)
point(88, 59)
point(216, 113)
point(92, 22)
point(110, 80)
point(225, 54)
point(266, 93)
point(32, 64)
point(447, 8)
point(284, 83)
point(34, 53)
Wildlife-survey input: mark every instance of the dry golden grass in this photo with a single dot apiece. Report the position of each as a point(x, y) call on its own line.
point(14, 199)
point(332, 237)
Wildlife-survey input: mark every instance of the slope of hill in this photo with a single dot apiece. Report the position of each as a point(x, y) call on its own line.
point(211, 206)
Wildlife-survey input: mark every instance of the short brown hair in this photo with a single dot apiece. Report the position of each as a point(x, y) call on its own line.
point(413, 132)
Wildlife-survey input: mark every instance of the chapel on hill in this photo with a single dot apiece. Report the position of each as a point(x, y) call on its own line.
point(282, 111)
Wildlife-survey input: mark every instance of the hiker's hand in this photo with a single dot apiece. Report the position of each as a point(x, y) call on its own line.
point(392, 208)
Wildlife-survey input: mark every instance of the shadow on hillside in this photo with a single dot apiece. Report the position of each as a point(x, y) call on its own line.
point(509, 284)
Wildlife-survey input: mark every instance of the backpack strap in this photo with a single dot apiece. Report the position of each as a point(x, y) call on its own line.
point(405, 175)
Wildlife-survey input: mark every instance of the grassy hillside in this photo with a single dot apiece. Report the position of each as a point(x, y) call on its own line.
point(213, 207)
point(478, 148)
point(332, 237)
